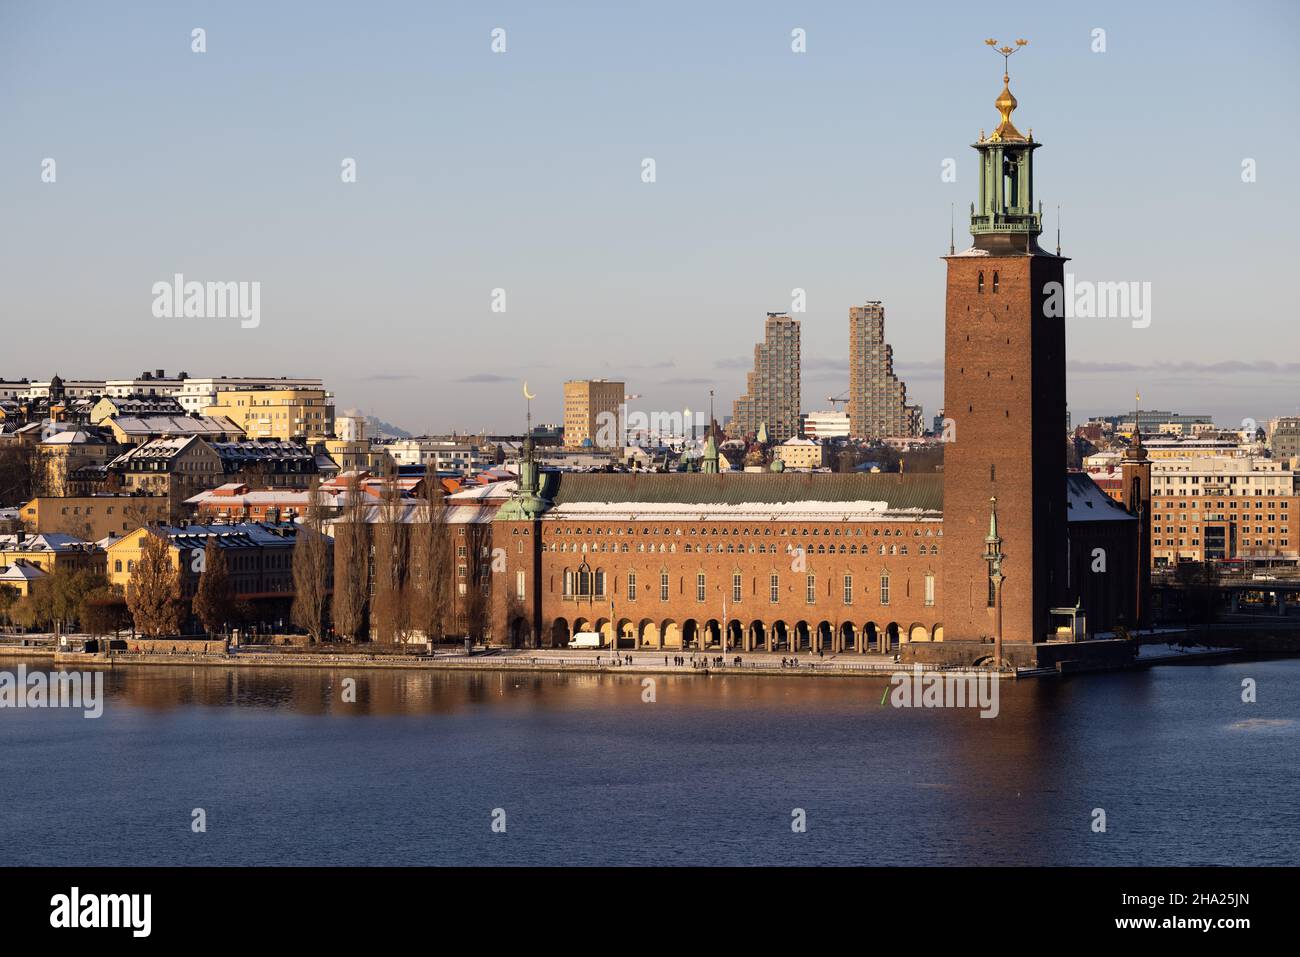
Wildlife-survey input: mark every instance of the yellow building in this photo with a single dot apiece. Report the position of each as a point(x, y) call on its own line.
point(20, 577)
point(92, 517)
point(51, 552)
point(64, 453)
point(124, 554)
point(591, 413)
point(283, 414)
point(353, 456)
point(111, 405)
point(801, 454)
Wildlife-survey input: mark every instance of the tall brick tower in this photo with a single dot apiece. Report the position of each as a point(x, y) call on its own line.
point(1004, 388)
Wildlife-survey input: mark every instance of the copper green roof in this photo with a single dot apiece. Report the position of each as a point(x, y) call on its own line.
point(905, 491)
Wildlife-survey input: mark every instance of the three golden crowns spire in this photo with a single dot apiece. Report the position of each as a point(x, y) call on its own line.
point(1006, 103)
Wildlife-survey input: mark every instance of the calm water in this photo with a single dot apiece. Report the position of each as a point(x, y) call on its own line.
point(588, 774)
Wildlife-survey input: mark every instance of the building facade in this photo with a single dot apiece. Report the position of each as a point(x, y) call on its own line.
point(774, 387)
point(281, 413)
point(591, 413)
point(1000, 559)
point(877, 397)
point(93, 517)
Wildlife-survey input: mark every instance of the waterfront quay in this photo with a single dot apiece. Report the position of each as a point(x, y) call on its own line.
point(1157, 649)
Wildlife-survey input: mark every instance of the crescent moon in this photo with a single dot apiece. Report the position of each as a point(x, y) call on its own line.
point(527, 394)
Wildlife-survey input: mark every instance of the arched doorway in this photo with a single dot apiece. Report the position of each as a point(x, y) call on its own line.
point(624, 635)
point(871, 637)
point(650, 634)
point(780, 636)
point(560, 634)
point(938, 632)
point(757, 636)
point(825, 637)
point(917, 632)
point(802, 637)
point(712, 634)
point(521, 633)
point(672, 635)
point(735, 636)
point(848, 639)
point(891, 636)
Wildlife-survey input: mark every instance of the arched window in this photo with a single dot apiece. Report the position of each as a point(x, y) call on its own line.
point(995, 281)
point(981, 285)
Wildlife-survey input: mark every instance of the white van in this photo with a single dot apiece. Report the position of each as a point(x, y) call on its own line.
point(586, 639)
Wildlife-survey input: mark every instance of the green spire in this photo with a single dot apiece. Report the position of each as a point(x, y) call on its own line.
point(709, 463)
point(992, 537)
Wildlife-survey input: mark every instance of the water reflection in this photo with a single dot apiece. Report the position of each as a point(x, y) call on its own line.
point(706, 773)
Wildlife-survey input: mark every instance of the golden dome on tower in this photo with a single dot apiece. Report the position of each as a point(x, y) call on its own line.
point(1006, 102)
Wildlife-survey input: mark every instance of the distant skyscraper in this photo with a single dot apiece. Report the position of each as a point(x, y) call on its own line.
point(877, 398)
point(773, 393)
point(590, 404)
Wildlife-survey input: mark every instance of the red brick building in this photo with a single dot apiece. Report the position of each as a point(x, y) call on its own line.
point(982, 563)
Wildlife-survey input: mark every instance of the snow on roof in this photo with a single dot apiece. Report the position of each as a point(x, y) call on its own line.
point(175, 424)
point(21, 571)
point(44, 542)
point(804, 511)
point(413, 511)
point(72, 438)
point(1088, 503)
point(476, 493)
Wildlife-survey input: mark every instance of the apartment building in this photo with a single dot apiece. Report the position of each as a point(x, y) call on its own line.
point(1213, 508)
point(440, 455)
point(276, 413)
point(92, 517)
point(591, 413)
point(774, 387)
point(878, 405)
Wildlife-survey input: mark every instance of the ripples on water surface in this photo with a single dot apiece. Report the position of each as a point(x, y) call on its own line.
point(588, 774)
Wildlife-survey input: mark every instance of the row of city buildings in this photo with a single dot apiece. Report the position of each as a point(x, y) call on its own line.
point(877, 410)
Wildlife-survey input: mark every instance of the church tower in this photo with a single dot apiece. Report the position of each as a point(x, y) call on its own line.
point(1004, 390)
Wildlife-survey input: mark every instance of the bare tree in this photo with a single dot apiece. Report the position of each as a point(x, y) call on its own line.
point(19, 472)
point(351, 563)
point(214, 599)
point(391, 553)
point(428, 584)
point(311, 569)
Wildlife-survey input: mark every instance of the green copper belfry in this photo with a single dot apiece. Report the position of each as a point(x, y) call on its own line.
point(1004, 220)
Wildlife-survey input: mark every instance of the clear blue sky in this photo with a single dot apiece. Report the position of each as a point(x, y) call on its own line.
point(522, 171)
